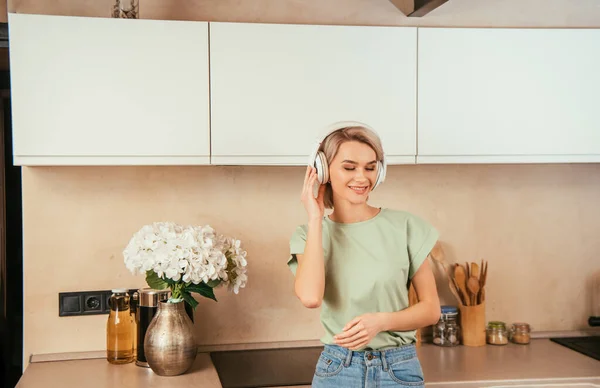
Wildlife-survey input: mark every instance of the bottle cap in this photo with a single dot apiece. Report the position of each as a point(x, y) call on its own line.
point(449, 309)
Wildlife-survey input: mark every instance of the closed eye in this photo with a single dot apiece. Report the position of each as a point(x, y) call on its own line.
point(351, 169)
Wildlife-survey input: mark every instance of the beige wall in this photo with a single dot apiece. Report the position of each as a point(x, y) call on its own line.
point(550, 13)
point(536, 224)
point(3, 12)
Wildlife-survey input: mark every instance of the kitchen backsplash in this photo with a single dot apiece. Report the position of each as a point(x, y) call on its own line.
point(536, 224)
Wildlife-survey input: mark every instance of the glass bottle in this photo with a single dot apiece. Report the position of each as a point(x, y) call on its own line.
point(520, 333)
point(497, 333)
point(119, 329)
point(446, 331)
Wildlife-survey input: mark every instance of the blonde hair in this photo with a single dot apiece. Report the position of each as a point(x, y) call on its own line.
point(331, 144)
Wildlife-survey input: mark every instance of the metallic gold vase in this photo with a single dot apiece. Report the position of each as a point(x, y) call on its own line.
point(169, 344)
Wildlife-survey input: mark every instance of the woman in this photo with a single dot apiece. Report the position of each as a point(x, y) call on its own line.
point(357, 265)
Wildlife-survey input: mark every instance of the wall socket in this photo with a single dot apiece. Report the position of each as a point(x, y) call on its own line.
point(85, 302)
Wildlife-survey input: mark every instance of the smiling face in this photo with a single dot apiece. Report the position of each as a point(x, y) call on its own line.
point(353, 172)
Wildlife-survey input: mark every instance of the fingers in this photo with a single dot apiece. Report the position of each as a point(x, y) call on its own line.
point(358, 336)
point(307, 182)
point(356, 345)
point(351, 323)
point(321, 195)
point(307, 175)
point(347, 334)
point(311, 184)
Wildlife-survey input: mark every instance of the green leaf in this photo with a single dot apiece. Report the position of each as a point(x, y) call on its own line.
point(189, 299)
point(214, 283)
point(154, 281)
point(202, 289)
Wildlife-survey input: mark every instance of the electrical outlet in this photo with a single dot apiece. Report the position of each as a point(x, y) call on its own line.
point(86, 302)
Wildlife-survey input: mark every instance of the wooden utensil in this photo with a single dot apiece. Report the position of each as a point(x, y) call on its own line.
point(482, 280)
point(456, 292)
point(461, 281)
point(475, 271)
point(473, 286)
point(437, 254)
point(467, 270)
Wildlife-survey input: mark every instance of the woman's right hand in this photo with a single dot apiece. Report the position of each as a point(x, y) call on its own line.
point(314, 206)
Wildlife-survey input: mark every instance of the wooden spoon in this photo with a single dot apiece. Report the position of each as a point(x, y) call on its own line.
point(473, 286)
point(461, 278)
point(475, 271)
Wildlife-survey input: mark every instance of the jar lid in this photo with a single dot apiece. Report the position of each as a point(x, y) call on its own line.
point(521, 325)
point(119, 290)
point(496, 325)
point(449, 309)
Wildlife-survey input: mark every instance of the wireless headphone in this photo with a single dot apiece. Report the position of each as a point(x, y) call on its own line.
point(317, 158)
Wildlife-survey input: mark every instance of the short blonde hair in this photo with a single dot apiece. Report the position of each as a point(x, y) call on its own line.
point(331, 145)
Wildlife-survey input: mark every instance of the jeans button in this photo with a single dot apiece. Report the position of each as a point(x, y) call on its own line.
point(369, 356)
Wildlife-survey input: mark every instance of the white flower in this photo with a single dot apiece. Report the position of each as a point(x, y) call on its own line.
point(187, 254)
point(237, 265)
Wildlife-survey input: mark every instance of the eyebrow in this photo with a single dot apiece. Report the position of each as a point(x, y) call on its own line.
point(353, 162)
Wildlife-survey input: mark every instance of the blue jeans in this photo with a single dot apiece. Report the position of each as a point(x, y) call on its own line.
point(339, 367)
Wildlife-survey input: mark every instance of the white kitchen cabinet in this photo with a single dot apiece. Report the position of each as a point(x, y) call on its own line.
point(508, 95)
point(101, 91)
point(275, 87)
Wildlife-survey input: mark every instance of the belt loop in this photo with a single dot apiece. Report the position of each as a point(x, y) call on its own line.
point(348, 358)
point(384, 360)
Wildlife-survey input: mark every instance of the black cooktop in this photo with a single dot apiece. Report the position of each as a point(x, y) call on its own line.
point(590, 346)
point(266, 367)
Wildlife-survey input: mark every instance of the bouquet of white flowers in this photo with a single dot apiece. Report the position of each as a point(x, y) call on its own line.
point(186, 259)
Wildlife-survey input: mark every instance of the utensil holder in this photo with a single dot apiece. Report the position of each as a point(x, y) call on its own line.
point(472, 324)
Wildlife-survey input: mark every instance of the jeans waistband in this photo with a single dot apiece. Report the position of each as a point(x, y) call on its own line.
point(383, 357)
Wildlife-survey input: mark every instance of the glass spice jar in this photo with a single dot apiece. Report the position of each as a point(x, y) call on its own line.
point(126, 9)
point(446, 331)
point(520, 333)
point(497, 333)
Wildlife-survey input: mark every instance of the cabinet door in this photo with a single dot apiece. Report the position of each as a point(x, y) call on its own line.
point(508, 95)
point(109, 91)
point(275, 87)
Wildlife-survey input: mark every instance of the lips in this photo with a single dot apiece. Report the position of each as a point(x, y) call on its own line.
point(359, 189)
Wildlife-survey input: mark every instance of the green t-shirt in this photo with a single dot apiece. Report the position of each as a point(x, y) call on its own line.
point(368, 266)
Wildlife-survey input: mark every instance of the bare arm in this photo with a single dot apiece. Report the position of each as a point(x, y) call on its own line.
point(424, 313)
point(309, 285)
point(310, 274)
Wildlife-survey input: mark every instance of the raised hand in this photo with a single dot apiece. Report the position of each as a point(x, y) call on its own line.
point(314, 206)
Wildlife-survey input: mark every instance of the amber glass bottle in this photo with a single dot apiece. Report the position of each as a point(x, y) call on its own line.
point(119, 329)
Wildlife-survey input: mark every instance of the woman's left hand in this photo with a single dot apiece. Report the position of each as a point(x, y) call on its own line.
point(360, 331)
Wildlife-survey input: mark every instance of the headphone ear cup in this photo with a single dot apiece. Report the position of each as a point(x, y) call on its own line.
point(322, 168)
point(380, 174)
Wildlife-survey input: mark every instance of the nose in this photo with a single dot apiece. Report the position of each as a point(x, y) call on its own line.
point(360, 176)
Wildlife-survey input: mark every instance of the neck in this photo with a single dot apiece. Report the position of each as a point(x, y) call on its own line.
point(346, 212)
